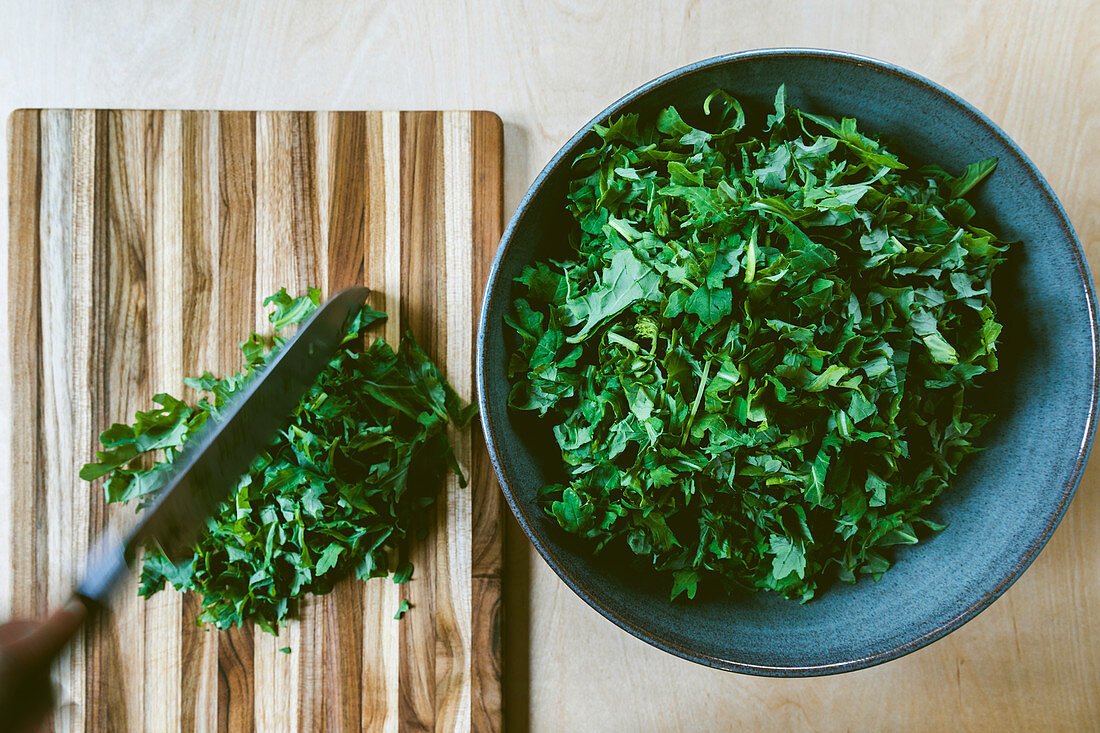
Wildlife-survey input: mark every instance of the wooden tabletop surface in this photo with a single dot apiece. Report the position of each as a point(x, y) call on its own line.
point(1032, 661)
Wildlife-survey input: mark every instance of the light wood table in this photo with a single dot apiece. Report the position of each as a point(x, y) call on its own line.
point(1032, 661)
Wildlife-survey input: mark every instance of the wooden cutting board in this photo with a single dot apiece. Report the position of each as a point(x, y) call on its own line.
point(142, 244)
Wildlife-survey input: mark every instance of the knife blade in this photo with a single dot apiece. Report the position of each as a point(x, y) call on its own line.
point(215, 458)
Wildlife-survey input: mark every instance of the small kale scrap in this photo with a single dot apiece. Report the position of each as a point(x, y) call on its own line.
point(339, 490)
point(758, 360)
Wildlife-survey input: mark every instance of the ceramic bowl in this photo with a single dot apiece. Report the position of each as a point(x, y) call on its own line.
point(1006, 501)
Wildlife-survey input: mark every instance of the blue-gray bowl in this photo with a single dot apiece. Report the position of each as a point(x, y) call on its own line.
point(1006, 501)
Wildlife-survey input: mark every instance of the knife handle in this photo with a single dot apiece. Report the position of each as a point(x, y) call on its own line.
point(27, 650)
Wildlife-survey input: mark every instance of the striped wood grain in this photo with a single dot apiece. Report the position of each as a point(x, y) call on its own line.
point(142, 244)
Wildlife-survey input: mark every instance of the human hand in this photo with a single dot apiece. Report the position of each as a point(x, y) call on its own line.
point(27, 649)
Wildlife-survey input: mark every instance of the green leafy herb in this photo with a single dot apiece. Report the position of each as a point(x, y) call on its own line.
point(402, 608)
point(759, 360)
point(342, 487)
point(403, 574)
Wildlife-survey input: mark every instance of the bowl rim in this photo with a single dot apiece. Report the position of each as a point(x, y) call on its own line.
point(635, 625)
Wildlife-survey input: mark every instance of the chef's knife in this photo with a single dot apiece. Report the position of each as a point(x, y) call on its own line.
point(216, 457)
point(210, 464)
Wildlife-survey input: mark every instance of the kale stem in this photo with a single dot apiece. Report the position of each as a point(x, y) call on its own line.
point(695, 404)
